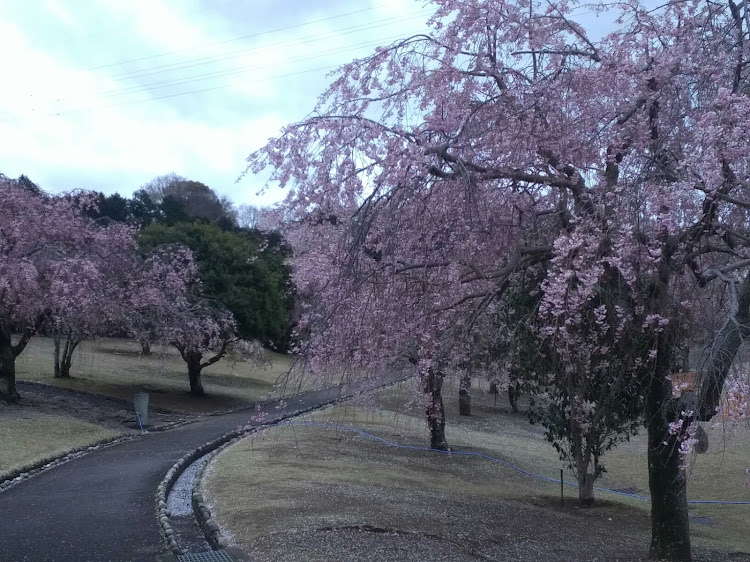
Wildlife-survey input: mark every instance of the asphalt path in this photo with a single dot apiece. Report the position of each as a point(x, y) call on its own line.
point(101, 507)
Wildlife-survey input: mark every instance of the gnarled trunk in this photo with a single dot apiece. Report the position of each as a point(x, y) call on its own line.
point(195, 363)
point(433, 384)
point(8, 390)
point(8, 354)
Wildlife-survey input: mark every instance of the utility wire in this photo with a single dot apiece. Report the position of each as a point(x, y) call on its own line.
point(133, 102)
point(260, 34)
point(189, 63)
point(129, 90)
point(240, 70)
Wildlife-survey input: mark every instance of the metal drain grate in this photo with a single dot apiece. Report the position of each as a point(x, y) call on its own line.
point(210, 556)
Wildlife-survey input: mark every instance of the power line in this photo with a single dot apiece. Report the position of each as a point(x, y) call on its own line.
point(132, 102)
point(189, 63)
point(219, 74)
point(240, 69)
point(276, 30)
point(176, 81)
point(236, 70)
point(131, 90)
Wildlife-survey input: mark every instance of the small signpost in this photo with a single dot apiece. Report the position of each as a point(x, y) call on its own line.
point(140, 400)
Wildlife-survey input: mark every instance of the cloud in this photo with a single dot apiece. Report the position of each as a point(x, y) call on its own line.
point(107, 94)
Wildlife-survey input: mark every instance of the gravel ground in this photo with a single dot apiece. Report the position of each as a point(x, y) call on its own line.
point(344, 545)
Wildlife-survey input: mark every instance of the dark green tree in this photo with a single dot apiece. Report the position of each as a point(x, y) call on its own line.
point(142, 209)
point(243, 270)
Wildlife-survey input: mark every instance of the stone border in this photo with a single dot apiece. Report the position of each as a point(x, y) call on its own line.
point(18, 475)
point(200, 509)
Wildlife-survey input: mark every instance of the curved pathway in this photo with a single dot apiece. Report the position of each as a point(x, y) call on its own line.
point(101, 506)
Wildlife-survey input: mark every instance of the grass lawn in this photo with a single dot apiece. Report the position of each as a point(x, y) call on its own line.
point(311, 493)
point(116, 368)
point(26, 436)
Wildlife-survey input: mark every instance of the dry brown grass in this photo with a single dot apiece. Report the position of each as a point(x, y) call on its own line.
point(117, 369)
point(310, 488)
point(27, 436)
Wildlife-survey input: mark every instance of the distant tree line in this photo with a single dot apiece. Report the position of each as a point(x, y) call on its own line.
point(240, 266)
point(71, 277)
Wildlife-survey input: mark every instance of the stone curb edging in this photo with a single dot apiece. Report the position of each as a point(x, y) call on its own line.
point(200, 509)
point(18, 475)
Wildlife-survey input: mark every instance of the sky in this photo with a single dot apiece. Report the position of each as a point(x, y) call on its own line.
point(107, 94)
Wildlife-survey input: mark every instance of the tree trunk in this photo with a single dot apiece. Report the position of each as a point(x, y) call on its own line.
point(670, 527)
point(8, 390)
point(57, 338)
point(64, 355)
point(194, 374)
point(145, 346)
point(464, 398)
point(433, 384)
point(586, 488)
point(513, 395)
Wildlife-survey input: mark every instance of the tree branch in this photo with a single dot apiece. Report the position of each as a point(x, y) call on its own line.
point(219, 354)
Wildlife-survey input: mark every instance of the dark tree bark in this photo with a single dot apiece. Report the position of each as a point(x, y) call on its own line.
point(8, 390)
point(710, 383)
point(145, 346)
point(195, 363)
point(464, 397)
point(433, 384)
point(64, 354)
point(8, 354)
point(513, 395)
point(670, 533)
point(194, 374)
point(670, 526)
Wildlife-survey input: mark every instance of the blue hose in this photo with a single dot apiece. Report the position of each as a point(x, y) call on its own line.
point(140, 424)
point(489, 458)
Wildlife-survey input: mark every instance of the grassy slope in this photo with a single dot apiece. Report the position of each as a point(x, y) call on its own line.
point(28, 436)
point(308, 478)
point(116, 368)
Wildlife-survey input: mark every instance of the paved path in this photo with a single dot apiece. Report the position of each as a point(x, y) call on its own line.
point(101, 506)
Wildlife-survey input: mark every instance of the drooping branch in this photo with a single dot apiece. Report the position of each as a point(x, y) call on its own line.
point(723, 351)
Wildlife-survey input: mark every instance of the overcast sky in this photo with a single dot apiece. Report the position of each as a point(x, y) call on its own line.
point(107, 94)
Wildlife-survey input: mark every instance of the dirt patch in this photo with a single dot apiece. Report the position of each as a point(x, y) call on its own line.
point(106, 412)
